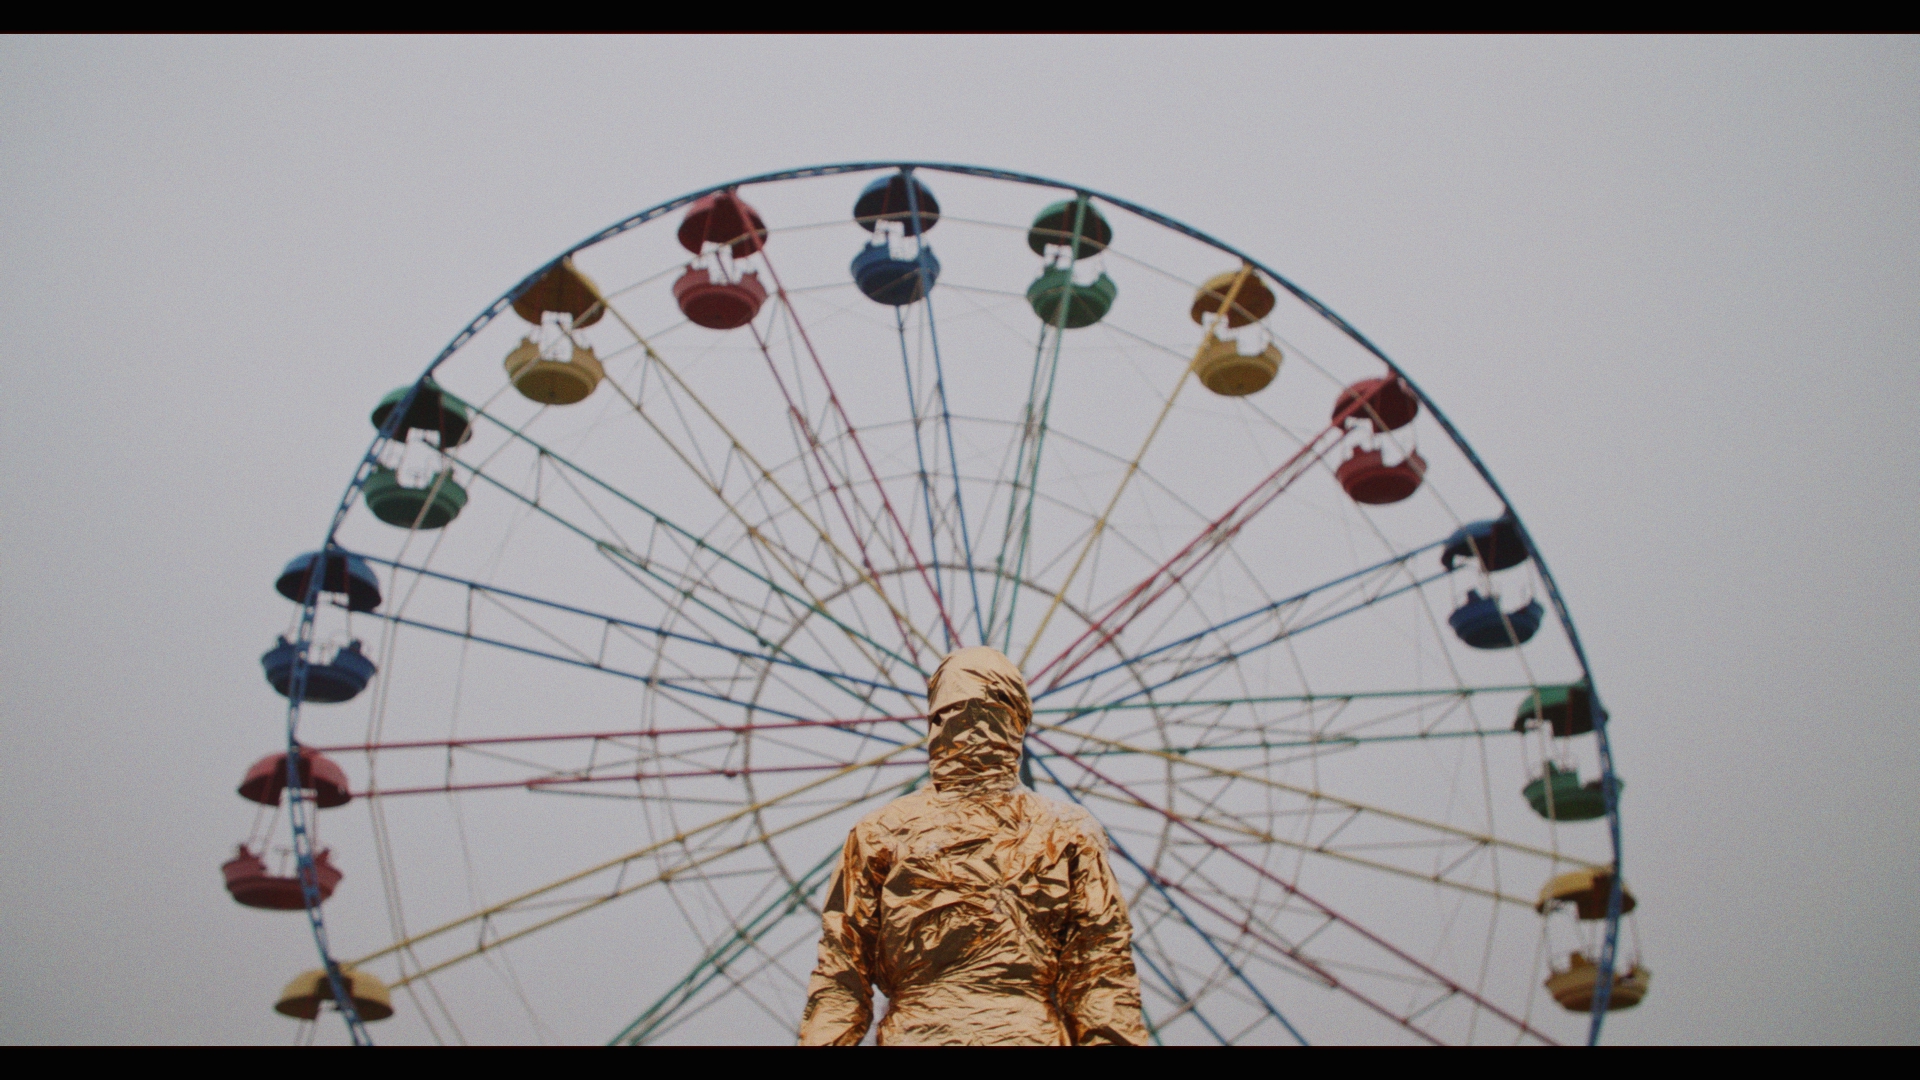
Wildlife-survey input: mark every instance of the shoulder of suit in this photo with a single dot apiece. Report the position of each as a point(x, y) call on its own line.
point(1066, 817)
point(896, 813)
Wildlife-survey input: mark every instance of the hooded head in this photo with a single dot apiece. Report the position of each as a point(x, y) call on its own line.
point(978, 708)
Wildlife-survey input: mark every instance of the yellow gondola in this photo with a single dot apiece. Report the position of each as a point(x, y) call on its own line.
point(1574, 987)
point(553, 382)
point(304, 995)
point(1587, 890)
point(1227, 371)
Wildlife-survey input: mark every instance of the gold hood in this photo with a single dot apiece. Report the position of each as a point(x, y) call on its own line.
point(978, 709)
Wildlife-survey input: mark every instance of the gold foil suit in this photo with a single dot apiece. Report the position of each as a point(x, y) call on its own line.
point(984, 913)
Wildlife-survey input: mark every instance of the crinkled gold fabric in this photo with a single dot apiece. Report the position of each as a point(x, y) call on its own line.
point(985, 914)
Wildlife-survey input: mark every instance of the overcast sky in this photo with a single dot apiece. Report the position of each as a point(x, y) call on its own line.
point(1668, 288)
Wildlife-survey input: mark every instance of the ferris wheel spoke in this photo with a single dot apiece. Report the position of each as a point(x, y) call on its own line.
point(1285, 957)
point(645, 562)
point(812, 445)
point(783, 553)
point(1376, 940)
point(852, 434)
point(1034, 426)
point(769, 653)
point(1191, 1005)
point(953, 458)
point(909, 629)
point(1436, 831)
point(1291, 958)
point(1163, 967)
point(1275, 610)
point(1199, 550)
point(648, 568)
point(1214, 946)
point(738, 976)
point(1201, 665)
point(926, 480)
point(1100, 523)
point(544, 896)
point(1017, 529)
point(1305, 728)
point(594, 653)
point(1292, 617)
point(1243, 831)
point(717, 959)
point(667, 685)
point(567, 783)
point(474, 742)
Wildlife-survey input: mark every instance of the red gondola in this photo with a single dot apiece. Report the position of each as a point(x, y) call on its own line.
point(267, 779)
point(1393, 405)
point(1369, 479)
point(719, 305)
point(721, 218)
point(250, 884)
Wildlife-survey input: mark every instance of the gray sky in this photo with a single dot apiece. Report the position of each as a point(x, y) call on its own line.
point(1666, 287)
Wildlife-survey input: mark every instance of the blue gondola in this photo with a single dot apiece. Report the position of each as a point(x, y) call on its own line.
point(888, 280)
point(340, 680)
point(886, 200)
point(1480, 624)
point(347, 574)
point(1497, 542)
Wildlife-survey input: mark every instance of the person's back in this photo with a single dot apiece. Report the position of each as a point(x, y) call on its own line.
point(985, 913)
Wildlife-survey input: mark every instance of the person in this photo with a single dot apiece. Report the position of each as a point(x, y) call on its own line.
point(985, 914)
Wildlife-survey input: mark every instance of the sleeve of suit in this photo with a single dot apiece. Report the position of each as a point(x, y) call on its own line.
point(1098, 991)
point(840, 995)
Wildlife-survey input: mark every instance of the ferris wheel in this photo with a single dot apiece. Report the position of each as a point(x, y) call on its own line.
point(626, 615)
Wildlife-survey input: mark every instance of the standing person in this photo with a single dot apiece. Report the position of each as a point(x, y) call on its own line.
point(986, 914)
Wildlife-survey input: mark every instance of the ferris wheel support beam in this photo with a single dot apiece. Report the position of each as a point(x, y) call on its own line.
point(853, 433)
point(597, 616)
point(813, 604)
point(739, 447)
point(1284, 635)
point(620, 553)
point(659, 732)
point(1161, 887)
point(814, 446)
point(1178, 758)
point(1402, 955)
point(679, 838)
point(1264, 609)
point(1033, 429)
point(1198, 550)
point(651, 681)
point(713, 963)
point(946, 416)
